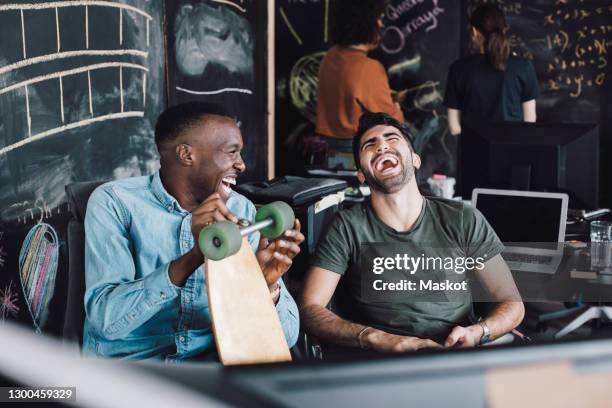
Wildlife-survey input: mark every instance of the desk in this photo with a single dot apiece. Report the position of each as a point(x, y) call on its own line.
point(565, 285)
point(579, 231)
point(574, 282)
point(457, 378)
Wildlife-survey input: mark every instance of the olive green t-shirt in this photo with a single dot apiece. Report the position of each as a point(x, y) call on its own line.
point(445, 228)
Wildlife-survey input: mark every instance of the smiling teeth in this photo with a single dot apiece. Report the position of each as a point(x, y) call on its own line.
point(229, 180)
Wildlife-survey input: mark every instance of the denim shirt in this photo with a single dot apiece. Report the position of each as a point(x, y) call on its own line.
point(133, 230)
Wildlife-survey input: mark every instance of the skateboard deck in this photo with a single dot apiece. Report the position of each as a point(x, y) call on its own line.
point(245, 322)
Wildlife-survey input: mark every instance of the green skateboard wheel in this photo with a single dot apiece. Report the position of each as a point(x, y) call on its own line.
point(220, 240)
point(282, 215)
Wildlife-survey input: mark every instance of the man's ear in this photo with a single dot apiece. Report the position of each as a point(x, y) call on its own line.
point(416, 161)
point(361, 176)
point(184, 153)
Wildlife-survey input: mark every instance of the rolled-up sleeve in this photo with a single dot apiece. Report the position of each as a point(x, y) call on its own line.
point(116, 303)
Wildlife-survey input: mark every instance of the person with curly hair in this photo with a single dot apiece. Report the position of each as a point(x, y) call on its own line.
point(351, 83)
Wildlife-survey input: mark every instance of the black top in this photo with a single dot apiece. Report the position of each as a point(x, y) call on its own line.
point(480, 91)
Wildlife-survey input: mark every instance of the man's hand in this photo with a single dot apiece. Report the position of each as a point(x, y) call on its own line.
point(392, 343)
point(464, 336)
point(213, 209)
point(276, 257)
point(399, 96)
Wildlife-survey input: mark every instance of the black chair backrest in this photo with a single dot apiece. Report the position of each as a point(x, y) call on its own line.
point(78, 195)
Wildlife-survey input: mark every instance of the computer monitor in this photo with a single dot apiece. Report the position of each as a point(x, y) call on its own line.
point(531, 156)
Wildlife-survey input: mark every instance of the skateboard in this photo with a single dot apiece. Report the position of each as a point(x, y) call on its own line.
point(244, 319)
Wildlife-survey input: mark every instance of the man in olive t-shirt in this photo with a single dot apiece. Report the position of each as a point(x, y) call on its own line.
point(399, 220)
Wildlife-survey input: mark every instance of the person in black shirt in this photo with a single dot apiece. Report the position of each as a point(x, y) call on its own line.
point(491, 85)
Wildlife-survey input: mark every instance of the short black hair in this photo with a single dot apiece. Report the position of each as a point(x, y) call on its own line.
point(371, 119)
point(176, 119)
point(356, 22)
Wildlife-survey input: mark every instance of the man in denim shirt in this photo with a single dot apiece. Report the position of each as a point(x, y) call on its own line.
point(146, 290)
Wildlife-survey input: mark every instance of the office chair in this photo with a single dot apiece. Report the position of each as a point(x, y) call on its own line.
point(78, 195)
point(74, 318)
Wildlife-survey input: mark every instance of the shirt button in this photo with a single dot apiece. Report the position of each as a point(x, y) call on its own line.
point(182, 339)
point(162, 295)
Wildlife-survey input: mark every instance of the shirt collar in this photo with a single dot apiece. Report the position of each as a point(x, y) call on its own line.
point(166, 200)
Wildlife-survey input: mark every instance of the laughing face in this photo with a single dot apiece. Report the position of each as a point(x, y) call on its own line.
point(387, 162)
point(217, 162)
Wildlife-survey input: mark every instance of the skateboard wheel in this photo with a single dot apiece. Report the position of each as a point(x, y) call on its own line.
point(283, 217)
point(220, 240)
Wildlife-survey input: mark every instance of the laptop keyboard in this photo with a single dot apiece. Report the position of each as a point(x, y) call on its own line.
point(527, 258)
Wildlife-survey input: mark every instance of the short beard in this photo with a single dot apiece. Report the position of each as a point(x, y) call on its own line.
point(391, 185)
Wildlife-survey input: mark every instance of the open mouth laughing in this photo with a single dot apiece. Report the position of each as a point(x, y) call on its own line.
point(387, 164)
point(225, 187)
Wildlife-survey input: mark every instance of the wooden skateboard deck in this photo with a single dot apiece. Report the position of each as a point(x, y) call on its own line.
point(245, 322)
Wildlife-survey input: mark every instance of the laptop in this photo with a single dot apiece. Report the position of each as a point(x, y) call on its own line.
point(530, 224)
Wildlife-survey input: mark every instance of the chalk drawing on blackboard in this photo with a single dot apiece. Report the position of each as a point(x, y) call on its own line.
point(23, 40)
point(38, 259)
point(425, 97)
point(29, 117)
point(57, 30)
point(24, 84)
point(215, 91)
point(290, 27)
point(60, 4)
point(303, 84)
point(394, 37)
point(71, 54)
point(28, 212)
point(73, 3)
point(2, 252)
point(87, 27)
point(120, 27)
point(230, 3)
point(407, 65)
point(144, 90)
point(89, 93)
point(55, 41)
point(61, 87)
point(212, 35)
point(29, 138)
point(121, 89)
point(326, 22)
point(8, 302)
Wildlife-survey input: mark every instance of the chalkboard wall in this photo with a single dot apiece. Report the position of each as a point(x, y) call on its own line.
point(568, 41)
point(80, 89)
point(420, 41)
point(217, 53)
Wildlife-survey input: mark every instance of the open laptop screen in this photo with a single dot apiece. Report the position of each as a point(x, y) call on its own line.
point(521, 218)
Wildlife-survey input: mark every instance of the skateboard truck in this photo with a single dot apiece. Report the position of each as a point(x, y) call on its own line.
point(224, 238)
